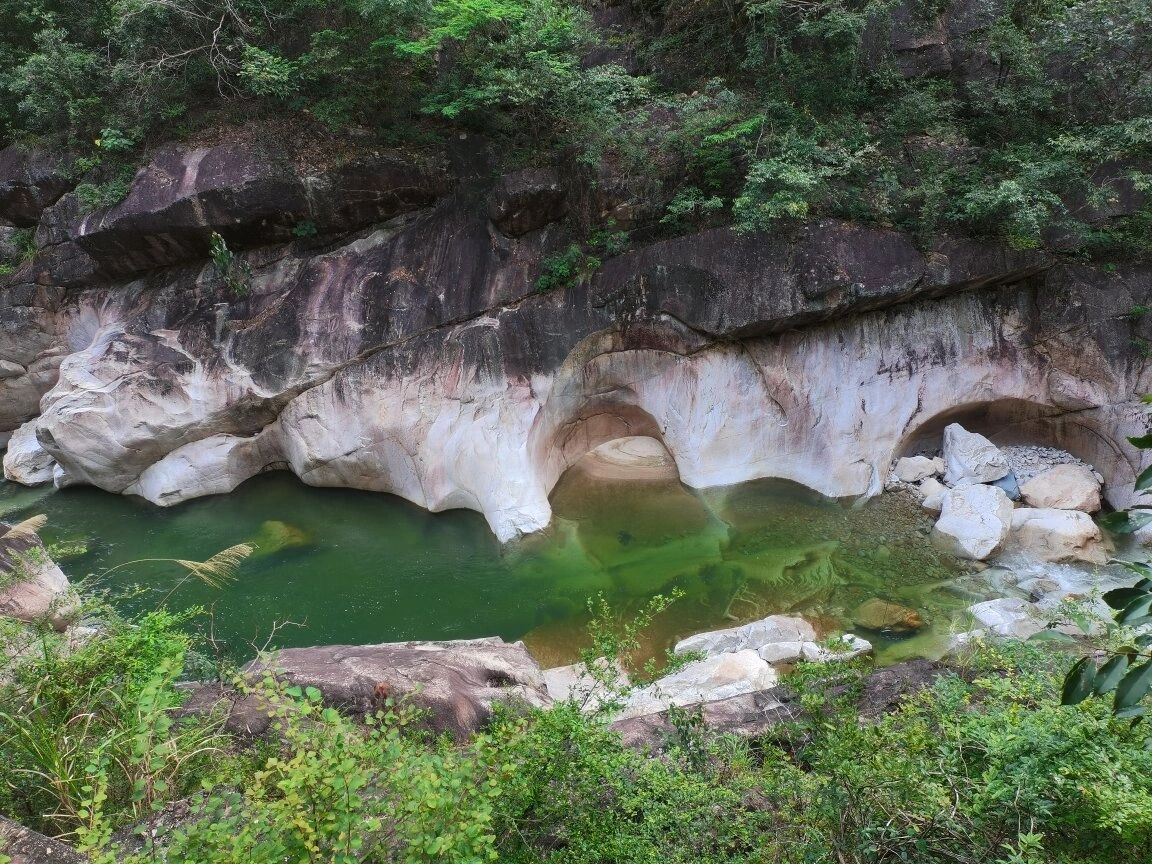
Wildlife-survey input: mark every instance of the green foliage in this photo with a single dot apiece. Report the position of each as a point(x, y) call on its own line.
point(982, 766)
point(339, 791)
point(234, 272)
point(565, 268)
point(91, 728)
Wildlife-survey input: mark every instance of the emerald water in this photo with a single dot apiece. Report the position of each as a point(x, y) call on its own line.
point(359, 567)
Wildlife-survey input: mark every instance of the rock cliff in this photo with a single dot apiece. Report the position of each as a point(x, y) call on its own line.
point(386, 334)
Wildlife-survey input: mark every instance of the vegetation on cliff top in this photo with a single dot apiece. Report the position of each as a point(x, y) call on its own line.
point(1039, 116)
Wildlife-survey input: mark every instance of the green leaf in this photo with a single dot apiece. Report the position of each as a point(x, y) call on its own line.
point(1133, 686)
point(1137, 608)
point(1144, 481)
point(1078, 683)
point(1140, 568)
point(1110, 674)
point(1124, 521)
point(1121, 597)
point(1144, 442)
point(1051, 636)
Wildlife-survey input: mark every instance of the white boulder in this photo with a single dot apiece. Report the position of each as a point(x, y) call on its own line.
point(25, 460)
point(912, 469)
point(1064, 487)
point(970, 457)
point(575, 682)
point(774, 628)
point(848, 647)
point(1051, 535)
point(708, 680)
point(782, 652)
point(932, 494)
point(974, 522)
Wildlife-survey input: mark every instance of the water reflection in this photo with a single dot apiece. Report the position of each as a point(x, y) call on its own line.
point(356, 567)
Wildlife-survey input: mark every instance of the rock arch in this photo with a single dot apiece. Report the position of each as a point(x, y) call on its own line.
point(1098, 436)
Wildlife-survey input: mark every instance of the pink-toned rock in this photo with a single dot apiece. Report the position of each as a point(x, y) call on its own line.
point(32, 587)
point(1057, 536)
point(1063, 487)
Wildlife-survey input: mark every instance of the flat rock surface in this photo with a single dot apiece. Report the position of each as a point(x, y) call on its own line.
point(456, 682)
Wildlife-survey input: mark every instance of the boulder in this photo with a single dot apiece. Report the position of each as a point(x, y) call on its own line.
point(974, 522)
point(748, 715)
point(751, 715)
point(456, 682)
point(32, 587)
point(887, 617)
point(970, 457)
point(782, 652)
point(25, 461)
point(1057, 536)
point(20, 845)
point(716, 677)
point(932, 493)
point(1009, 616)
point(1009, 485)
point(526, 201)
point(774, 628)
point(847, 647)
point(574, 682)
point(912, 469)
point(1064, 487)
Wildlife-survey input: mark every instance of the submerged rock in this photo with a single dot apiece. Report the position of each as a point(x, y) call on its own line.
point(970, 457)
point(974, 522)
point(276, 536)
point(886, 616)
point(1009, 616)
point(1064, 487)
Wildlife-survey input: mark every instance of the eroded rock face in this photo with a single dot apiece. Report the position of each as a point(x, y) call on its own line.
point(29, 183)
point(527, 201)
point(456, 682)
point(247, 195)
point(24, 846)
point(420, 360)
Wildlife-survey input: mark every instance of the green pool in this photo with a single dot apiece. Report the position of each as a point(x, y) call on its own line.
point(358, 567)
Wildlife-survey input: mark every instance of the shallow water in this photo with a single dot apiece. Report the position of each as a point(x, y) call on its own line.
point(359, 567)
